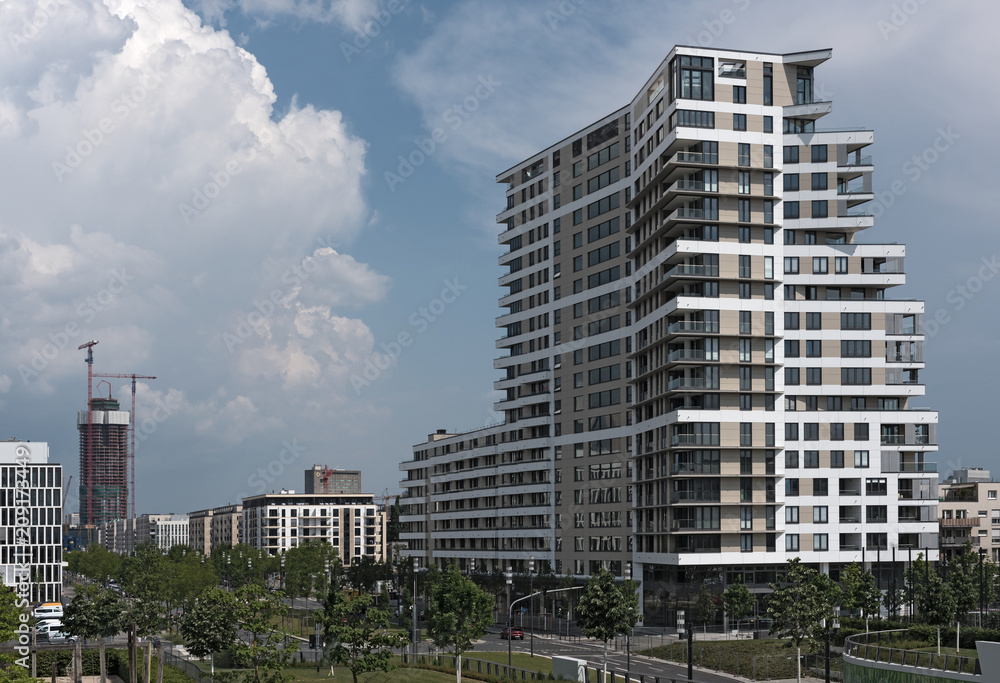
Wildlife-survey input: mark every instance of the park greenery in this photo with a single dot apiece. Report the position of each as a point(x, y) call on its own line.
point(233, 602)
point(607, 608)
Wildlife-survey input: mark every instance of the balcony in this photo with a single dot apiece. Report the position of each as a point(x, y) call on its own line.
point(695, 158)
point(855, 159)
point(682, 326)
point(678, 355)
point(695, 497)
point(847, 547)
point(695, 269)
point(850, 490)
point(679, 383)
point(967, 522)
point(693, 525)
point(850, 519)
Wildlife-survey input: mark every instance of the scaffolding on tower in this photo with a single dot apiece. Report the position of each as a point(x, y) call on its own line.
point(107, 447)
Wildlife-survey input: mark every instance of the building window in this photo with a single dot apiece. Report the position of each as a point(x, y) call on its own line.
point(819, 154)
point(743, 154)
point(837, 459)
point(743, 180)
point(739, 94)
point(739, 121)
point(821, 265)
point(791, 210)
point(768, 124)
point(818, 181)
point(791, 460)
point(819, 209)
point(791, 154)
point(791, 265)
point(814, 348)
point(840, 265)
point(861, 459)
point(792, 542)
point(746, 543)
point(821, 542)
point(791, 182)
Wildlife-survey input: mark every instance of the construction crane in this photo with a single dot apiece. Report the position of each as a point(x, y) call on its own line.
point(69, 482)
point(90, 420)
point(131, 450)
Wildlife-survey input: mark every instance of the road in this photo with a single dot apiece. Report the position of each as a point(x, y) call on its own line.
point(592, 651)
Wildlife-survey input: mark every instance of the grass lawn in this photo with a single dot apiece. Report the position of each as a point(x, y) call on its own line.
point(760, 659)
point(342, 675)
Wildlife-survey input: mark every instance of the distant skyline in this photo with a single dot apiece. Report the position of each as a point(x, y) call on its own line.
point(284, 210)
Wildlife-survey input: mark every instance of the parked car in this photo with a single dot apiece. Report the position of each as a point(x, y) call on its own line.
point(49, 610)
point(513, 634)
point(52, 632)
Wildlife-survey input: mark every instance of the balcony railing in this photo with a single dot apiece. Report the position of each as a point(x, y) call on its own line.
point(695, 496)
point(692, 269)
point(690, 383)
point(850, 491)
point(967, 522)
point(855, 160)
point(850, 519)
point(693, 326)
point(690, 354)
point(697, 158)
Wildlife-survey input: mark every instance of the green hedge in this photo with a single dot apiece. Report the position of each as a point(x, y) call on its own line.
point(475, 675)
point(922, 632)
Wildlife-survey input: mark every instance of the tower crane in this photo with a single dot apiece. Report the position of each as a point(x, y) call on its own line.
point(131, 450)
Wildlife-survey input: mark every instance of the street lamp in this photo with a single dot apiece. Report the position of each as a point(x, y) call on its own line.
point(531, 601)
point(982, 594)
point(628, 636)
point(509, 575)
point(833, 623)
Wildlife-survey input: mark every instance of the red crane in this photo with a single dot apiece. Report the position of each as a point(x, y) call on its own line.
point(131, 450)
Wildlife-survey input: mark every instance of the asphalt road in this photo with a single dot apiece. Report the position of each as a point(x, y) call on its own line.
point(593, 653)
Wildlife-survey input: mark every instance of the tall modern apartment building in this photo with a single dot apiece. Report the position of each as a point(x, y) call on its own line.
point(705, 372)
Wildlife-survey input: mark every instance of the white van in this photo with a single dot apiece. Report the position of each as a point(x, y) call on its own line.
point(49, 610)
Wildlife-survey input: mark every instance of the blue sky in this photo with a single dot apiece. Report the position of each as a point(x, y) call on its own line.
point(203, 188)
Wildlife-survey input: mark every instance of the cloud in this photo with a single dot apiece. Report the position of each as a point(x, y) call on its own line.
point(152, 193)
point(348, 13)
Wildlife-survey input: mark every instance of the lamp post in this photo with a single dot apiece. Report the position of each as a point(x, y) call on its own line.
point(509, 575)
point(531, 602)
point(628, 636)
point(833, 623)
point(982, 595)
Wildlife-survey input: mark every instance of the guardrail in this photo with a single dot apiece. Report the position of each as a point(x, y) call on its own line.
point(878, 647)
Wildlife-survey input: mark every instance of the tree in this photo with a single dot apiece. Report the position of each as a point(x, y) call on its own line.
point(738, 600)
point(797, 606)
point(97, 563)
point(458, 612)
point(607, 609)
point(860, 591)
point(307, 568)
point(357, 634)
point(209, 626)
point(14, 627)
point(364, 575)
point(258, 647)
point(705, 608)
point(963, 582)
point(188, 575)
point(95, 612)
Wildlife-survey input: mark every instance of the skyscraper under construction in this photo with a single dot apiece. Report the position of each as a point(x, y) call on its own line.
point(103, 462)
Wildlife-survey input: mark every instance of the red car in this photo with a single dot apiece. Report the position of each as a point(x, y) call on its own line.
point(514, 634)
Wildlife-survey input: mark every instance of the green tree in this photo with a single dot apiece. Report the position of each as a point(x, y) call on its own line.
point(95, 612)
point(188, 575)
point(797, 604)
point(860, 591)
point(258, 646)
point(209, 626)
point(357, 633)
point(738, 600)
point(705, 608)
point(14, 627)
point(364, 574)
point(963, 582)
point(98, 563)
point(458, 612)
point(607, 609)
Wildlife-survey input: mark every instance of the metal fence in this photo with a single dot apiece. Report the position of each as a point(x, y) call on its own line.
point(189, 668)
point(886, 646)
